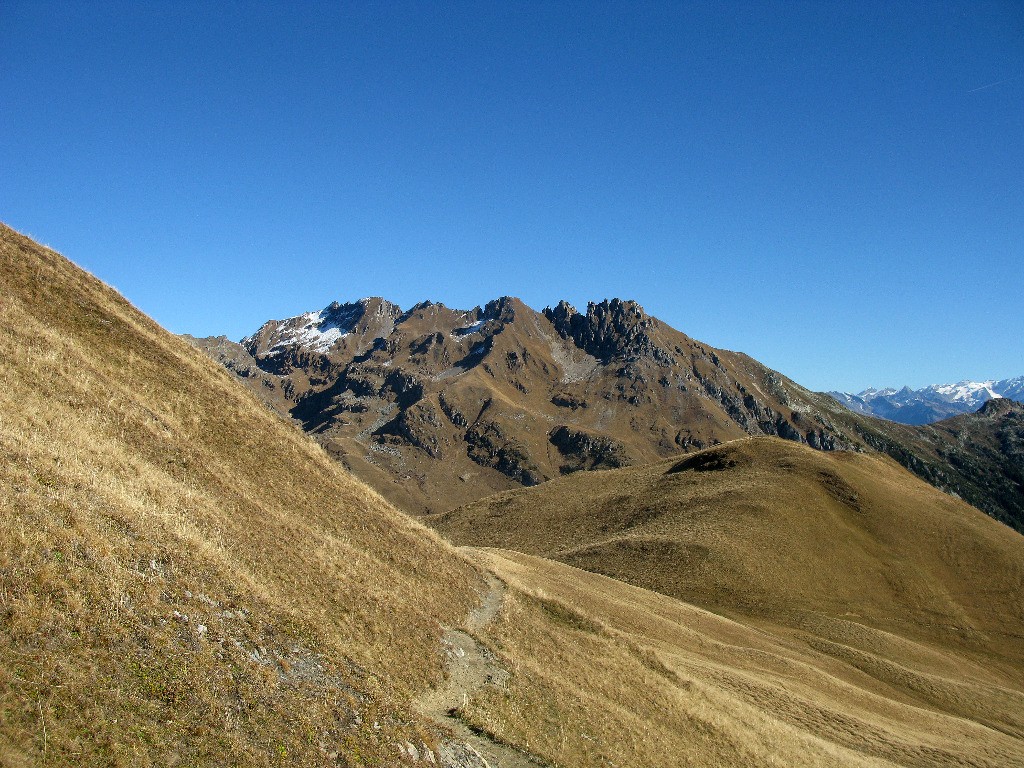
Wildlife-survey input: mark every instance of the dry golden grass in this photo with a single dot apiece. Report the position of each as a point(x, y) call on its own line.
point(853, 604)
point(769, 528)
point(140, 486)
point(610, 674)
point(187, 580)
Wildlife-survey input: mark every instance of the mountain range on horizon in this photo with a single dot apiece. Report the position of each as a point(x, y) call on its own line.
point(319, 330)
point(436, 407)
point(931, 403)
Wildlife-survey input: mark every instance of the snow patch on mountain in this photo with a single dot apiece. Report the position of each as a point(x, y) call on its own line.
point(469, 329)
point(315, 331)
point(972, 393)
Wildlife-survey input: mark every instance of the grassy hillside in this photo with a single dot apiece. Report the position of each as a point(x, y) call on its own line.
point(829, 604)
point(606, 673)
point(769, 528)
point(976, 456)
point(184, 578)
point(610, 674)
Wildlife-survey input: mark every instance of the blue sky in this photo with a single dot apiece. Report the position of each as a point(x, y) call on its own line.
point(836, 189)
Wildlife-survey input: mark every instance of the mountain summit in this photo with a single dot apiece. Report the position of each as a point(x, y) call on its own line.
point(438, 406)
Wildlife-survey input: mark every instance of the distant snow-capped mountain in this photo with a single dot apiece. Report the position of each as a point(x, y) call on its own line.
point(932, 403)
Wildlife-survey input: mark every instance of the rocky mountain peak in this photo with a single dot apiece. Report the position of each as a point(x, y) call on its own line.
point(611, 329)
point(344, 316)
point(319, 332)
point(371, 305)
point(421, 306)
point(504, 309)
point(561, 314)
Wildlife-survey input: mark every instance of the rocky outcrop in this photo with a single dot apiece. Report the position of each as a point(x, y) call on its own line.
point(299, 341)
point(418, 426)
point(490, 446)
point(583, 451)
point(610, 330)
point(437, 406)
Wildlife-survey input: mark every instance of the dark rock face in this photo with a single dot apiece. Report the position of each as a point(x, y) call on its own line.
point(708, 461)
point(583, 451)
point(1002, 407)
point(405, 388)
point(988, 449)
point(610, 330)
point(439, 406)
point(502, 310)
point(568, 400)
point(418, 426)
point(451, 410)
point(490, 446)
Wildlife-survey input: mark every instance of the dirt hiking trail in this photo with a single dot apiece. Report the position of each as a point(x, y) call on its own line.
point(470, 666)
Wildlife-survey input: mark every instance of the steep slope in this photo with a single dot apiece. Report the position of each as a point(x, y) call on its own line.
point(768, 528)
point(436, 407)
point(185, 578)
point(932, 403)
point(271, 389)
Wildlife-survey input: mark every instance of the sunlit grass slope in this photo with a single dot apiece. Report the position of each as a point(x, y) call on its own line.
point(830, 608)
point(610, 674)
point(185, 579)
point(771, 529)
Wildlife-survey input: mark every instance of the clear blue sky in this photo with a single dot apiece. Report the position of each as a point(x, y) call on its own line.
point(834, 188)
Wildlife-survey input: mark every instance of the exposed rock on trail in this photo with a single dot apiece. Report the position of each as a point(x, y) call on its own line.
point(470, 667)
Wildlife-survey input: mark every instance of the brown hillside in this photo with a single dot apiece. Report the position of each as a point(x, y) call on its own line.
point(976, 456)
point(186, 579)
point(771, 529)
point(706, 690)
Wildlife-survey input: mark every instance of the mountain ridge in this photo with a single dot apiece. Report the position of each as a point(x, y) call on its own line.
point(435, 406)
point(931, 403)
point(509, 394)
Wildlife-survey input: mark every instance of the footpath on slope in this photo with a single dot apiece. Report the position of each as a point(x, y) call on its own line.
point(470, 666)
